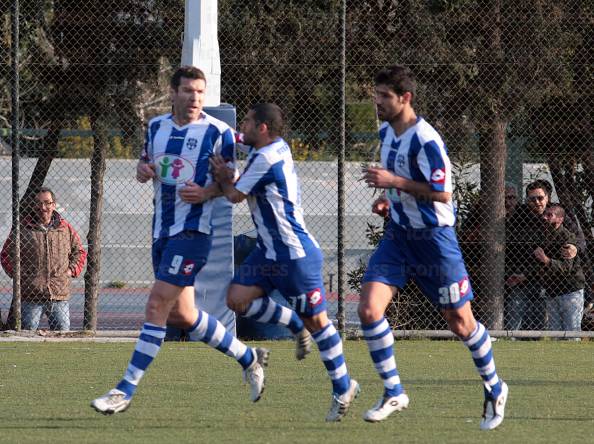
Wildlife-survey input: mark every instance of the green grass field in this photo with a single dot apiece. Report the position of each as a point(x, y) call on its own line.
point(193, 394)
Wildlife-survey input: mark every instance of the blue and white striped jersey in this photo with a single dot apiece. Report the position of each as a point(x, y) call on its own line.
point(181, 154)
point(418, 154)
point(274, 196)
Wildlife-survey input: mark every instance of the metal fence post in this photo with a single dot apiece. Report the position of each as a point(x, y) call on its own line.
point(340, 315)
point(15, 308)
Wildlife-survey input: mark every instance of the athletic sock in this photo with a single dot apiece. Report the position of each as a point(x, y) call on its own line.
point(330, 346)
point(380, 342)
point(209, 330)
point(479, 344)
point(266, 310)
point(148, 345)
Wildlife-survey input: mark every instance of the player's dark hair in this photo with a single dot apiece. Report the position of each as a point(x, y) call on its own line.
point(540, 184)
point(47, 190)
point(398, 78)
point(272, 116)
point(189, 72)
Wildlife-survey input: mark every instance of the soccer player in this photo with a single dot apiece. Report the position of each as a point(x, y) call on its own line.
point(419, 243)
point(175, 157)
point(287, 256)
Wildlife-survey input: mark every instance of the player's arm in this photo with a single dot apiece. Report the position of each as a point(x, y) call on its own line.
point(381, 206)
point(193, 193)
point(225, 178)
point(145, 169)
point(382, 178)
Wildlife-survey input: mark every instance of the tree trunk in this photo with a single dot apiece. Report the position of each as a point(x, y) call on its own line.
point(493, 151)
point(100, 149)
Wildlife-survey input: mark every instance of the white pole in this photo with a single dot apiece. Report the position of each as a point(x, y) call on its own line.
point(201, 45)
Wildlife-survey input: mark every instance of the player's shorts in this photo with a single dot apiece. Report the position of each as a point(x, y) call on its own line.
point(429, 256)
point(298, 280)
point(177, 259)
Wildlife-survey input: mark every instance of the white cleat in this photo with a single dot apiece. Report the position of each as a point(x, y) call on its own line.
point(340, 404)
point(114, 401)
point(494, 409)
point(254, 374)
point(302, 344)
point(385, 407)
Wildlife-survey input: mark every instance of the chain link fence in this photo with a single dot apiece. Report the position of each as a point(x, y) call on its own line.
point(509, 86)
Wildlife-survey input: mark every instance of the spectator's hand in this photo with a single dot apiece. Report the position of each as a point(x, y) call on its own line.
point(541, 256)
point(220, 171)
point(193, 193)
point(515, 279)
point(381, 206)
point(378, 177)
point(589, 311)
point(568, 251)
point(145, 171)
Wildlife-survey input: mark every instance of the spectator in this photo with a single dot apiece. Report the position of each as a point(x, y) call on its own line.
point(524, 304)
point(51, 254)
point(562, 278)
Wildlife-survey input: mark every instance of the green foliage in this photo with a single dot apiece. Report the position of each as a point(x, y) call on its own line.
point(373, 233)
point(81, 146)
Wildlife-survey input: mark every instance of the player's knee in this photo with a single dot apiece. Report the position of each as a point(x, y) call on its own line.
point(180, 320)
point(368, 314)
point(234, 302)
point(460, 327)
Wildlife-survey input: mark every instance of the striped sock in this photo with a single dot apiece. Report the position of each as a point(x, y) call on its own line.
point(210, 331)
point(479, 344)
point(266, 310)
point(330, 346)
point(148, 345)
point(380, 342)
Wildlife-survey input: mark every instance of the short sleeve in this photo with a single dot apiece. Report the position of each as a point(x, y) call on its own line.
point(258, 172)
point(433, 166)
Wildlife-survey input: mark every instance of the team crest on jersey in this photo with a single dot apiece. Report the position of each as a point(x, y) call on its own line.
point(314, 297)
point(172, 169)
point(438, 175)
point(464, 286)
point(191, 143)
point(400, 161)
point(187, 267)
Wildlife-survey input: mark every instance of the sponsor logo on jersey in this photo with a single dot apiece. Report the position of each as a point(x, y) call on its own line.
point(187, 267)
point(314, 297)
point(172, 169)
point(438, 175)
point(464, 286)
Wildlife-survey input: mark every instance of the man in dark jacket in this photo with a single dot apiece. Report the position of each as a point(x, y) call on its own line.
point(524, 306)
point(562, 279)
point(51, 254)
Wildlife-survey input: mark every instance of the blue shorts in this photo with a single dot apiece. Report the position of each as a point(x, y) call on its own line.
point(177, 259)
point(298, 280)
point(429, 256)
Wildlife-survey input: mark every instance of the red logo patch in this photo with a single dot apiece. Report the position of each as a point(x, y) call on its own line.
point(464, 286)
point(187, 267)
point(438, 175)
point(314, 297)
